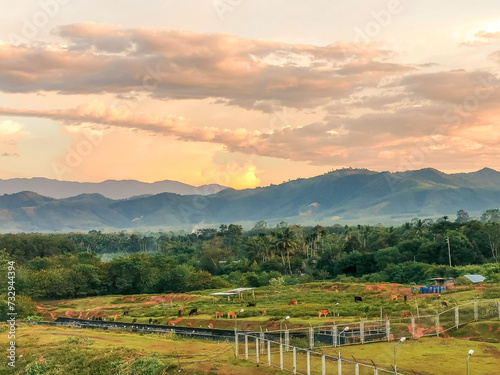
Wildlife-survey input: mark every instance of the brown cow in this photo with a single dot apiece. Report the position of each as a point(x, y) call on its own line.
point(444, 304)
point(211, 326)
point(394, 297)
point(263, 312)
point(218, 314)
point(189, 325)
point(294, 302)
point(324, 312)
point(404, 314)
point(231, 314)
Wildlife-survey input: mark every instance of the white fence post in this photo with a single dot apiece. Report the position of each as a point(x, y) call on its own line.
point(323, 365)
point(457, 317)
point(375, 371)
point(294, 360)
point(308, 362)
point(476, 311)
point(257, 349)
point(311, 338)
point(356, 369)
point(339, 371)
point(388, 329)
point(269, 353)
point(262, 343)
point(287, 339)
point(412, 327)
point(362, 332)
point(281, 356)
point(246, 346)
point(235, 343)
point(437, 325)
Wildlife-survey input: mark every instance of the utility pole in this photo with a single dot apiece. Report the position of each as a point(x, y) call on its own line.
point(449, 251)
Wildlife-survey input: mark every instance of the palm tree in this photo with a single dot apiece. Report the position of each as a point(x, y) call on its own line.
point(287, 243)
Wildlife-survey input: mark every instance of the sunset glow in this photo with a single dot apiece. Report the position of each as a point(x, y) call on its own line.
point(258, 93)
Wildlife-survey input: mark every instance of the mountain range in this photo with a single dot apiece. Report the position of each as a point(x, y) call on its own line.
point(340, 196)
point(111, 188)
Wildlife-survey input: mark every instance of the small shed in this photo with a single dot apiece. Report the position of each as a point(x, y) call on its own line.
point(238, 291)
point(443, 281)
point(475, 278)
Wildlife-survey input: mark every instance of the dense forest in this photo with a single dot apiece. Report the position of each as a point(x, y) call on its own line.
point(77, 264)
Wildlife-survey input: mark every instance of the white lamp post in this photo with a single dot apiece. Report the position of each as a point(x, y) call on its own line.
point(402, 339)
point(281, 326)
point(471, 352)
point(343, 332)
point(334, 307)
point(236, 319)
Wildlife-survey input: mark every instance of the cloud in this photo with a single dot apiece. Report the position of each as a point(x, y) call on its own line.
point(178, 64)
point(482, 38)
point(11, 133)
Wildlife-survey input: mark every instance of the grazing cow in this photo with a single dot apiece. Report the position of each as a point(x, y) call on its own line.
point(125, 312)
point(171, 323)
point(252, 304)
point(134, 321)
point(294, 302)
point(323, 312)
point(231, 314)
point(263, 312)
point(405, 298)
point(404, 314)
point(189, 325)
point(218, 315)
point(358, 299)
point(181, 310)
point(194, 312)
point(444, 304)
point(150, 320)
point(394, 297)
point(116, 317)
point(211, 326)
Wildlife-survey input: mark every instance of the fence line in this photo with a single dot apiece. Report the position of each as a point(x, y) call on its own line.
point(338, 335)
point(299, 360)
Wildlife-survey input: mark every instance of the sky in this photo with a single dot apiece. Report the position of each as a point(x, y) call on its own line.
point(246, 93)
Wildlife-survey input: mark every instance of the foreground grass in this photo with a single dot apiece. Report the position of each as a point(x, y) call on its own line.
point(432, 356)
point(68, 351)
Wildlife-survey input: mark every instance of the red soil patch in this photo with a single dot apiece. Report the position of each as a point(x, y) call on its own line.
point(174, 322)
point(377, 288)
point(421, 331)
point(172, 297)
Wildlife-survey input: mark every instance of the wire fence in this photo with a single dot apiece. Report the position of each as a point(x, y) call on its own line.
point(299, 360)
point(386, 330)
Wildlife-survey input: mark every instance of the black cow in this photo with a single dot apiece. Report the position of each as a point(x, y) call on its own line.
point(252, 304)
point(150, 320)
point(358, 299)
point(405, 298)
point(134, 321)
point(194, 312)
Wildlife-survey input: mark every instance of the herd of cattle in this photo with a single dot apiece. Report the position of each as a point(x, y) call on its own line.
point(233, 315)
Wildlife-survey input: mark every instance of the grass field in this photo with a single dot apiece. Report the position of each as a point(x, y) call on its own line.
point(133, 353)
point(68, 351)
point(311, 298)
point(433, 356)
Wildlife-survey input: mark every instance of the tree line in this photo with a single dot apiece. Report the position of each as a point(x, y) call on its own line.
point(85, 264)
